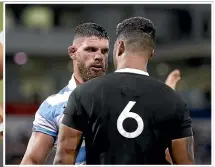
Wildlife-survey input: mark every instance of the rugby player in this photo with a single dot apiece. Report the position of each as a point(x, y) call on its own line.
point(89, 39)
point(127, 117)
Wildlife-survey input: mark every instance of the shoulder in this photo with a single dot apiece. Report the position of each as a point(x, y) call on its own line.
point(54, 105)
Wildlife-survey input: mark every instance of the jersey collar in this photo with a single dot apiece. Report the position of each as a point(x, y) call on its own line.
point(132, 70)
point(72, 84)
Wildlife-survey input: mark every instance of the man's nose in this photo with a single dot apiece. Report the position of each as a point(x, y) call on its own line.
point(98, 57)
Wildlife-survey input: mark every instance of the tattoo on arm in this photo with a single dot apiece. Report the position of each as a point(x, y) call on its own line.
point(190, 148)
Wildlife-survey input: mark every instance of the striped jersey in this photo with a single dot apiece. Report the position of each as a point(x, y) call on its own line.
point(50, 113)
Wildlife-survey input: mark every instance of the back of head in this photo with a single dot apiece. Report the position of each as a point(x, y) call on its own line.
point(90, 29)
point(138, 33)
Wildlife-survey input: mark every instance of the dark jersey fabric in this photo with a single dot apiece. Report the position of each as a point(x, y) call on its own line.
point(95, 107)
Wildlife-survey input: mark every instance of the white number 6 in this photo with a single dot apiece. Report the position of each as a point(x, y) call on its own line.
point(126, 114)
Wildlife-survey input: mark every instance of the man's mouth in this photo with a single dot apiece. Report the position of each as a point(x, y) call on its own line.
point(97, 67)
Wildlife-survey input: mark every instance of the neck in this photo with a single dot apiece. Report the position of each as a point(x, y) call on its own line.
point(135, 62)
point(78, 79)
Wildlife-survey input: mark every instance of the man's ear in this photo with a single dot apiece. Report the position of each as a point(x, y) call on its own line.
point(121, 48)
point(71, 52)
point(152, 54)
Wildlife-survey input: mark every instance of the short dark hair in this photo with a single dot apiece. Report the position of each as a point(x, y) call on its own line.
point(90, 29)
point(137, 28)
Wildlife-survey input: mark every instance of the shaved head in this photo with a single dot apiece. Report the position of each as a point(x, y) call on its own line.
point(137, 32)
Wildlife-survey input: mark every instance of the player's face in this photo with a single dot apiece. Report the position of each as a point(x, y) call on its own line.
point(92, 57)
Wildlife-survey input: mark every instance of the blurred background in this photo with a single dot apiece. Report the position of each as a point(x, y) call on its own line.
point(37, 63)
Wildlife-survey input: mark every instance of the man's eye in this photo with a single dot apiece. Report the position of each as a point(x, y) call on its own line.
point(91, 49)
point(105, 51)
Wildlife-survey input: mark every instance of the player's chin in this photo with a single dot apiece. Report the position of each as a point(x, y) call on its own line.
point(95, 74)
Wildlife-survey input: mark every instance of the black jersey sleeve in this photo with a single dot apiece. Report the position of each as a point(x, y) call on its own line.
point(183, 122)
point(73, 112)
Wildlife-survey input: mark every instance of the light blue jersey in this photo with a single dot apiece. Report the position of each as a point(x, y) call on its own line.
point(50, 114)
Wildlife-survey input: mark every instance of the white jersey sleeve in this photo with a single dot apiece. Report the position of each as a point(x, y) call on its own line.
point(44, 120)
point(49, 116)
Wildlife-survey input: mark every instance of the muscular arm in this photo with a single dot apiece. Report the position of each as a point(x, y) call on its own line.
point(181, 133)
point(183, 151)
point(39, 146)
point(44, 133)
point(70, 132)
point(68, 145)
